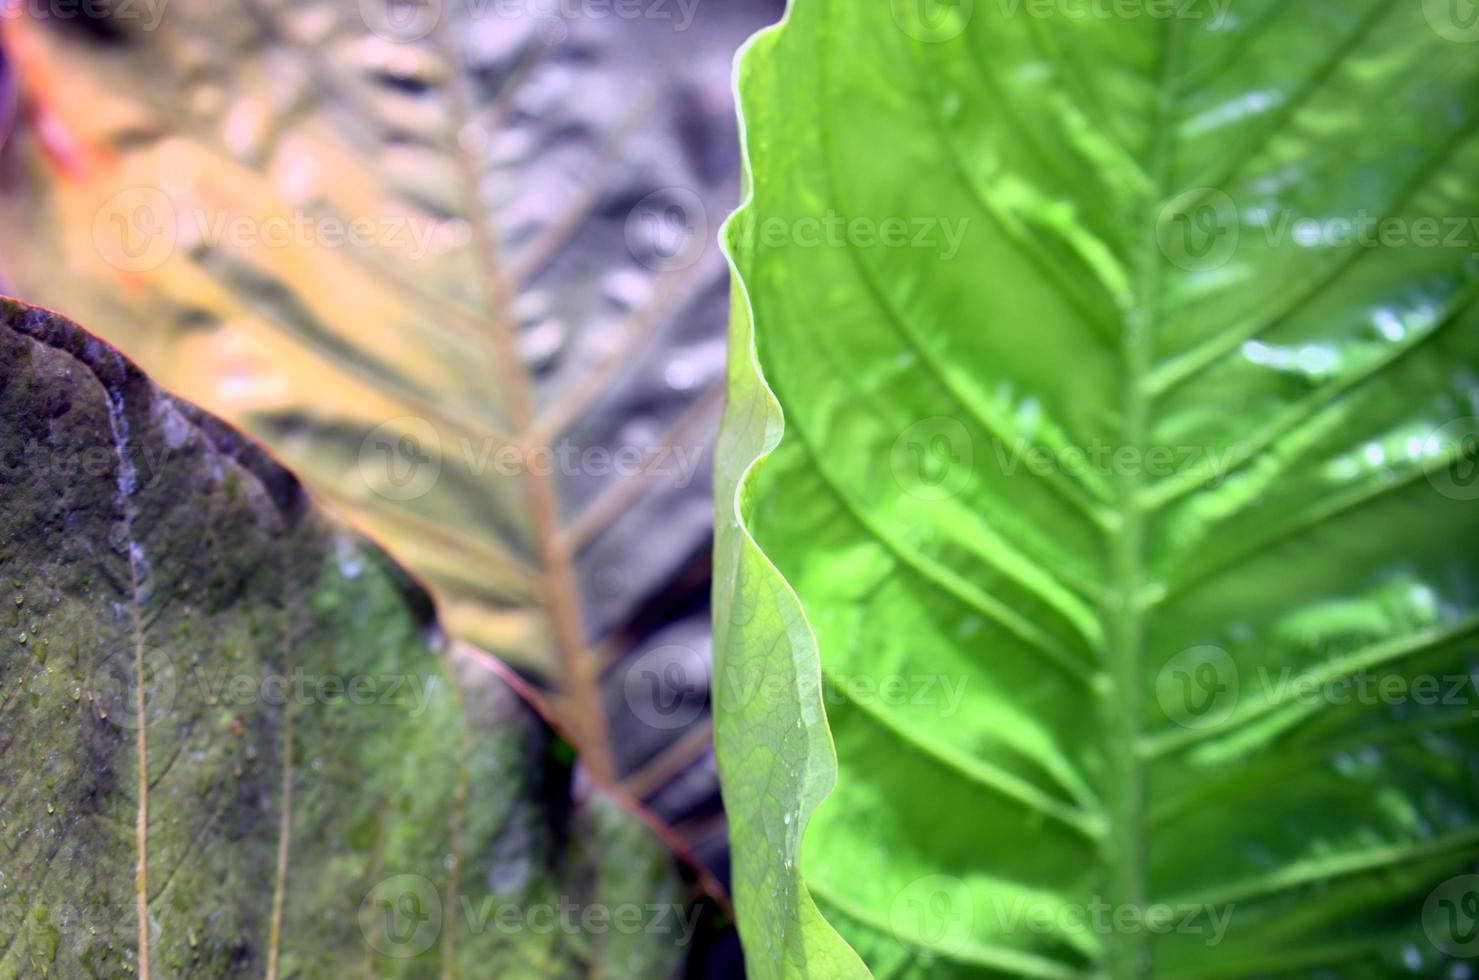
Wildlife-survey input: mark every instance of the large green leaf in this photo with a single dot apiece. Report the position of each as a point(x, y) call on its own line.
point(1114, 469)
point(454, 262)
point(226, 745)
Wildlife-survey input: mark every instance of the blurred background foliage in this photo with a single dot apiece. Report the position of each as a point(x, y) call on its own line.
point(406, 245)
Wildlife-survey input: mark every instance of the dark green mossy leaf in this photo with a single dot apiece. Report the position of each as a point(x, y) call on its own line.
point(193, 641)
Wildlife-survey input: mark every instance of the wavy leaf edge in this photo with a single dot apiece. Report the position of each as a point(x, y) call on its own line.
point(806, 939)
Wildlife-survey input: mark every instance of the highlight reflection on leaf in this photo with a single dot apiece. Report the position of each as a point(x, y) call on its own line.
point(1152, 450)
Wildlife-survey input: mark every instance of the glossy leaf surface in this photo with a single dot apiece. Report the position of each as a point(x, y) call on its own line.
point(1122, 448)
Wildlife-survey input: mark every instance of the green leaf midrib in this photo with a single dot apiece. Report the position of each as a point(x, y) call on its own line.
point(1146, 551)
point(1124, 522)
point(1125, 954)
